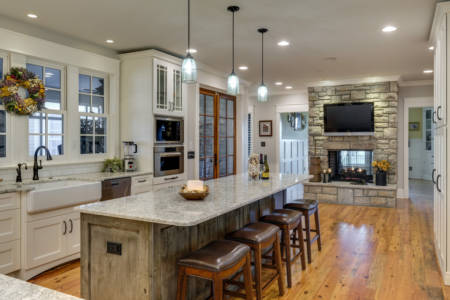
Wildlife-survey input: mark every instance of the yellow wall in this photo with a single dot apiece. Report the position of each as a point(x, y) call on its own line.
point(415, 115)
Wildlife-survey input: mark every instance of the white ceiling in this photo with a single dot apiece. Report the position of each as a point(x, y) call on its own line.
point(349, 30)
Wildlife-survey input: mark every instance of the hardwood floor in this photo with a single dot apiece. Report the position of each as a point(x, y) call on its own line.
point(367, 253)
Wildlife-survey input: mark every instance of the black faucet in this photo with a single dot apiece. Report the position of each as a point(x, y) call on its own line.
point(37, 167)
point(19, 171)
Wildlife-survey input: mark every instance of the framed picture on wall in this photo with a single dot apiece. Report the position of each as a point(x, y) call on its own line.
point(265, 128)
point(414, 126)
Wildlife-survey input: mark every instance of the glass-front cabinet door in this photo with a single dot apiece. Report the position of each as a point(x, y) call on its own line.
point(167, 88)
point(217, 135)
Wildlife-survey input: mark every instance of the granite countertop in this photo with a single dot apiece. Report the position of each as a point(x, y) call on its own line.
point(166, 206)
point(28, 185)
point(16, 289)
point(347, 184)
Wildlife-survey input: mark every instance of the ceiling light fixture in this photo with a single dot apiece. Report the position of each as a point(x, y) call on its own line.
point(431, 48)
point(278, 83)
point(32, 16)
point(263, 93)
point(189, 67)
point(243, 68)
point(191, 50)
point(283, 43)
point(233, 80)
point(110, 41)
point(389, 28)
point(427, 71)
point(289, 87)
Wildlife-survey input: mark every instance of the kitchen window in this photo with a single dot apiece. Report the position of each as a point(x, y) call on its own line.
point(92, 106)
point(47, 126)
point(250, 134)
point(2, 112)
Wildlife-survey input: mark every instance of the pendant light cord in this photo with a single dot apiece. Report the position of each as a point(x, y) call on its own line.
point(233, 45)
point(189, 27)
point(262, 58)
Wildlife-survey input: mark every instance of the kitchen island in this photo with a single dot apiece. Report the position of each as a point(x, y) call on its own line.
point(130, 246)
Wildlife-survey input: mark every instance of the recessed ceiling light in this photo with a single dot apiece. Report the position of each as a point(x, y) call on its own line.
point(288, 87)
point(191, 50)
point(431, 48)
point(32, 16)
point(110, 41)
point(278, 83)
point(427, 71)
point(243, 68)
point(389, 28)
point(283, 43)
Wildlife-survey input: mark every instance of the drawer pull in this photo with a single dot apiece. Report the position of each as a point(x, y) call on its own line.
point(171, 178)
point(437, 113)
point(65, 227)
point(71, 226)
point(142, 180)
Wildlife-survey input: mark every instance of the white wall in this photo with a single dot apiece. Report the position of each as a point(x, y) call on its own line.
point(268, 111)
point(21, 47)
point(404, 93)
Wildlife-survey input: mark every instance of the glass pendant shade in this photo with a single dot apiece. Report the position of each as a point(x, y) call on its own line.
point(233, 84)
point(263, 93)
point(189, 70)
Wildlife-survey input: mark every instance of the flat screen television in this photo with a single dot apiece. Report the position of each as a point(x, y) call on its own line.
point(349, 118)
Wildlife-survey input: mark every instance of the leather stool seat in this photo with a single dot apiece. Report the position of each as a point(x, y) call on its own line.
point(302, 204)
point(255, 233)
point(216, 256)
point(281, 217)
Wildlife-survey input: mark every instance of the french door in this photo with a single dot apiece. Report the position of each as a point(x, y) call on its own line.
point(217, 135)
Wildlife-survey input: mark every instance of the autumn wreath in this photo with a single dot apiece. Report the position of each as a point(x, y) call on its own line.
point(22, 92)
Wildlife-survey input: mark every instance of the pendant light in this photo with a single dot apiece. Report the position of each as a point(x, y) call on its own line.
point(263, 93)
point(189, 67)
point(233, 80)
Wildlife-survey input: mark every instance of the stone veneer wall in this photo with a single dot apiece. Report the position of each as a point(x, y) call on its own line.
point(384, 95)
point(345, 194)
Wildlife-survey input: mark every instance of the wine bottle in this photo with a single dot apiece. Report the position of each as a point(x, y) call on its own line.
point(261, 165)
point(265, 174)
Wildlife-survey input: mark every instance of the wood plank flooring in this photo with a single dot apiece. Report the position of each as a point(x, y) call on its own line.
point(367, 253)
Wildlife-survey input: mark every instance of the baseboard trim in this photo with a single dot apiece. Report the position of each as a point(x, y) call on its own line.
point(402, 194)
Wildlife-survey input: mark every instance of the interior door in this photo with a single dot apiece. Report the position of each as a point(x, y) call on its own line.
point(217, 128)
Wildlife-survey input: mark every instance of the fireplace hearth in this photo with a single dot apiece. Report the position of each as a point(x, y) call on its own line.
point(351, 165)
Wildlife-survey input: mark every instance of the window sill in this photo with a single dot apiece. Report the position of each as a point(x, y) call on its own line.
point(56, 163)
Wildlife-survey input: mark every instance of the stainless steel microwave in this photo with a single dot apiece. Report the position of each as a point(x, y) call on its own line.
point(168, 160)
point(169, 131)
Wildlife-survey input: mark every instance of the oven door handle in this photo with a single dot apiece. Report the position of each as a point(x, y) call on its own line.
point(171, 154)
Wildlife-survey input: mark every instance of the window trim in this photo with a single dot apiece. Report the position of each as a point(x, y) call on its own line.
point(63, 111)
point(106, 114)
point(9, 128)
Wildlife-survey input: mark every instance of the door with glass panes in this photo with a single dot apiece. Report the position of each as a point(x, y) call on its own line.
point(217, 135)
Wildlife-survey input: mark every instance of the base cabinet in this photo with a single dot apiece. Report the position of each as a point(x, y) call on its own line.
point(52, 238)
point(9, 257)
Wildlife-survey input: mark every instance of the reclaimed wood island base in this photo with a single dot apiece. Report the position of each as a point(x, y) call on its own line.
point(130, 246)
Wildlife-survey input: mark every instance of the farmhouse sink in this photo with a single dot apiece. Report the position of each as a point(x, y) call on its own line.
point(59, 194)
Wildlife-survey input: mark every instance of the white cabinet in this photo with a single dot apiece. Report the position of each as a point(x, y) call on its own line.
point(440, 75)
point(440, 198)
point(167, 88)
point(141, 184)
point(52, 238)
point(9, 256)
point(9, 233)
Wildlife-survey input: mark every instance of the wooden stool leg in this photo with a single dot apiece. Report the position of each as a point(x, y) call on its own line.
point(279, 265)
point(316, 217)
point(182, 283)
point(218, 288)
point(308, 236)
point(287, 245)
point(258, 272)
point(301, 244)
point(248, 278)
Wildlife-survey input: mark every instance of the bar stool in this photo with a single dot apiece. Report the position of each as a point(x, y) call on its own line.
point(217, 261)
point(259, 237)
point(308, 207)
point(288, 220)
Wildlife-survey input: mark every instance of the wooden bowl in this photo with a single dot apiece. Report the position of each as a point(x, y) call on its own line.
point(194, 195)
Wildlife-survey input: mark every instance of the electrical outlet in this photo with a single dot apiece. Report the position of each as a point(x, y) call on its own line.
point(114, 248)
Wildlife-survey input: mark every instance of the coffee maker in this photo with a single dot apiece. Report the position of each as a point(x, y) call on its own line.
point(129, 151)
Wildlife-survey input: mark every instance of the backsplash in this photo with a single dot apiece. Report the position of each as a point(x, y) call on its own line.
point(9, 174)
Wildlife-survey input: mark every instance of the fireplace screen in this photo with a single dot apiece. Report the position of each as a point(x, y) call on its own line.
point(351, 164)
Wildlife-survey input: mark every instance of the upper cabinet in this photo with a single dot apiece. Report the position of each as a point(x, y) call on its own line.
point(440, 70)
point(167, 89)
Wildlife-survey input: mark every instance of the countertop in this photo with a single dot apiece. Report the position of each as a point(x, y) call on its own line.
point(28, 185)
point(16, 289)
point(166, 206)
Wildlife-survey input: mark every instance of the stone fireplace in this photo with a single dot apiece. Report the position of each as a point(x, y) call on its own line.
point(345, 154)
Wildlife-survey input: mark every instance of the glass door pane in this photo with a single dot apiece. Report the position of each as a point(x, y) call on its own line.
point(177, 90)
point(161, 93)
point(207, 135)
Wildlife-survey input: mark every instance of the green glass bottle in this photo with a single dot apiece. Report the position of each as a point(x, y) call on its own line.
point(266, 172)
